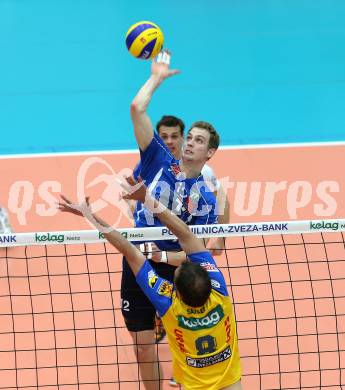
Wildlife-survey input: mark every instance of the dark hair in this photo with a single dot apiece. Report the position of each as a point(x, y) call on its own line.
point(170, 121)
point(193, 284)
point(214, 140)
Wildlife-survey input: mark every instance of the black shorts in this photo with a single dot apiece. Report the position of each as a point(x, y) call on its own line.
point(137, 310)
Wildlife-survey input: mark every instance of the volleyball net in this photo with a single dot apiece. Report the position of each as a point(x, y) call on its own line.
point(61, 325)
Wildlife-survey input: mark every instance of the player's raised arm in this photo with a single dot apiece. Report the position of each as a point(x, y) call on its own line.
point(143, 128)
point(188, 241)
point(134, 256)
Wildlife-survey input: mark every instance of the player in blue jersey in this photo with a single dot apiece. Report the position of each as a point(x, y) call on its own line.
point(171, 130)
point(196, 309)
point(180, 185)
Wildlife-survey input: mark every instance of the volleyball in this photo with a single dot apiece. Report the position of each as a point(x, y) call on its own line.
point(144, 40)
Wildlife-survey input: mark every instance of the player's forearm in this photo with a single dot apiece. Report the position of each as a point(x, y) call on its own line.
point(111, 235)
point(170, 220)
point(143, 97)
point(176, 258)
point(143, 129)
point(134, 257)
point(188, 241)
point(225, 216)
point(131, 207)
point(223, 206)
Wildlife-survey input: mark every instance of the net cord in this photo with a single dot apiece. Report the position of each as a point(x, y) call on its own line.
point(163, 233)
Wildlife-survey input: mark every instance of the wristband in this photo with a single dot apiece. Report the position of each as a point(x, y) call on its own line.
point(148, 248)
point(164, 257)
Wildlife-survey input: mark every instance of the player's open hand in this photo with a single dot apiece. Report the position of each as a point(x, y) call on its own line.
point(161, 66)
point(216, 246)
point(135, 190)
point(66, 206)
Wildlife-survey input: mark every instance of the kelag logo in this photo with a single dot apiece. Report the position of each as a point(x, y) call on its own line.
point(101, 236)
point(324, 225)
point(211, 319)
point(49, 237)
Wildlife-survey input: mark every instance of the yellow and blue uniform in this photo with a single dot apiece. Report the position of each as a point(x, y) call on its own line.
point(203, 340)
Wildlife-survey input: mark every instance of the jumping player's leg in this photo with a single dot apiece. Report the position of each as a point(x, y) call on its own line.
point(139, 315)
point(146, 354)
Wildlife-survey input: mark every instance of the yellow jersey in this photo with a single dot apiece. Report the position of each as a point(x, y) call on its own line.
point(203, 340)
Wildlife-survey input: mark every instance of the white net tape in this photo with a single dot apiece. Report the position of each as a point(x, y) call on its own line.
point(162, 233)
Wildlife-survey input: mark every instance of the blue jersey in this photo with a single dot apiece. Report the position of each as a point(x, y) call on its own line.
point(202, 340)
point(189, 198)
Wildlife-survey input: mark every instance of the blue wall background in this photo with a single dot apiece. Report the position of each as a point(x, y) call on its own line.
point(261, 71)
